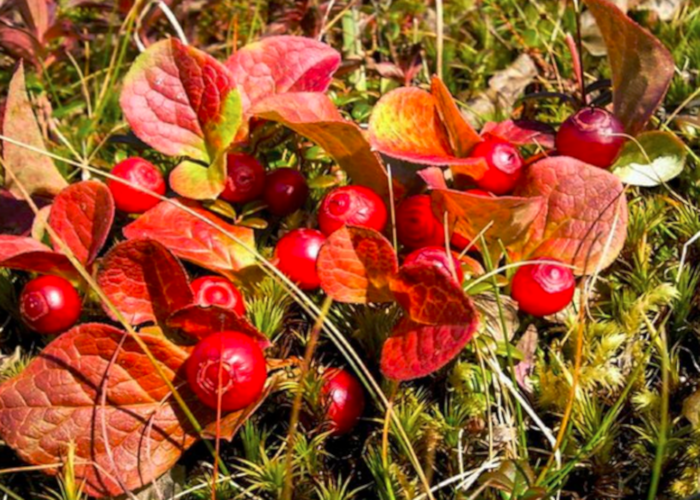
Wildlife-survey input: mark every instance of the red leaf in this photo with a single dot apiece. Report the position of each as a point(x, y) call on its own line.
point(57, 399)
point(522, 132)
point(416, 350)
point(35, 171)
point(181, 101)
point(433, 177)
point(584, 207)
point(429, 295)
point(20, 44)
point(27, 254)
point(314, 116)
point(642, 68)
point(461, 135)
point(193, 239)
point(281, 64)
point(509, 216)
point(82, 215)
point(406, 124)
point(200, 322)
point(144, 281)
point(356, 265)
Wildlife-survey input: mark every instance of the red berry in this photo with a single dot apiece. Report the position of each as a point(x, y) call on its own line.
point(49, 305)
point(591, 135)
point(436, 256)
point(457, 240)
point(344, 399)
point(416, 225)
point(296, 254)
point(218, 291)
point(241, 363)
point(543, 288)
point(285, 191)
point(141, 173)
point(354, 206)
point(504, 165)
point(245, 179)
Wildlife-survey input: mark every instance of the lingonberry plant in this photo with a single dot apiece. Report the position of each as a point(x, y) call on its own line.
point(338, 234)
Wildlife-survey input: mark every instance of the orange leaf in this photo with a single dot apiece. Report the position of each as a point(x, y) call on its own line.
point(355, 265)
point(462, 136)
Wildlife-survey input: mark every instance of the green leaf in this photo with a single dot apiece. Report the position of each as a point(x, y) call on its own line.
point(656, 157)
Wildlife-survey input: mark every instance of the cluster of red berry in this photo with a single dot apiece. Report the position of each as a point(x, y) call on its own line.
point(228, 370)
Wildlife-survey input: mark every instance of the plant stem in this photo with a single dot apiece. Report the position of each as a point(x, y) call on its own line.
point(663, 417)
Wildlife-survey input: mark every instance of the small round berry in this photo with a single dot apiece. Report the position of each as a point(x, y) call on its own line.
point(241, 363)
point(591, 135)
point(49, 305)
point(344, 400)
point(296, 254)
point(457, 240)
point(352, 206)
point(505, 165)
point(436, 256)
point(218, 291)
point(138, 172)
point(543, 288)
point(245, 179)
point(416, 225)
point(285, 191)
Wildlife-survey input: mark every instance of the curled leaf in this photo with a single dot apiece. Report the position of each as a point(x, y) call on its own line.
point(144, 281)
point(584, 218)
point(199, 322)
point(82, 216)
point(522, 132)
point(653, 158)
point(461, 135)
point(314, 116)
point(642, 68)
point(27, 254)
point(195, 240)
point(356, 265)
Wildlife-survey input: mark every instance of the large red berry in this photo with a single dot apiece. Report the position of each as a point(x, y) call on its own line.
point(504, 165)
point(239, 360)
point(285, 191)
point(296, 254)
point(416, 225)
point(543, 288)
point(344, 400)
point(218, 291)
point(457, 240)
point(245, 179)
point(49, 305)
point(141, 173)
point(352, 206)
point(436, 256)
point(591, 135)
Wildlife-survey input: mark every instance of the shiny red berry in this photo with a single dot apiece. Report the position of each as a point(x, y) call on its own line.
point(218, 291)
point(245, 179)
point(591, 135)
point(285, 191)
point(49, 305)
point(344, 400)
point(416, 225)
point(138, 172)
point(296, 254)
point(241, 363)
point(505, 165)
point(436, 256)
point(352, 206)
point(543, 288)
point(457, 240)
